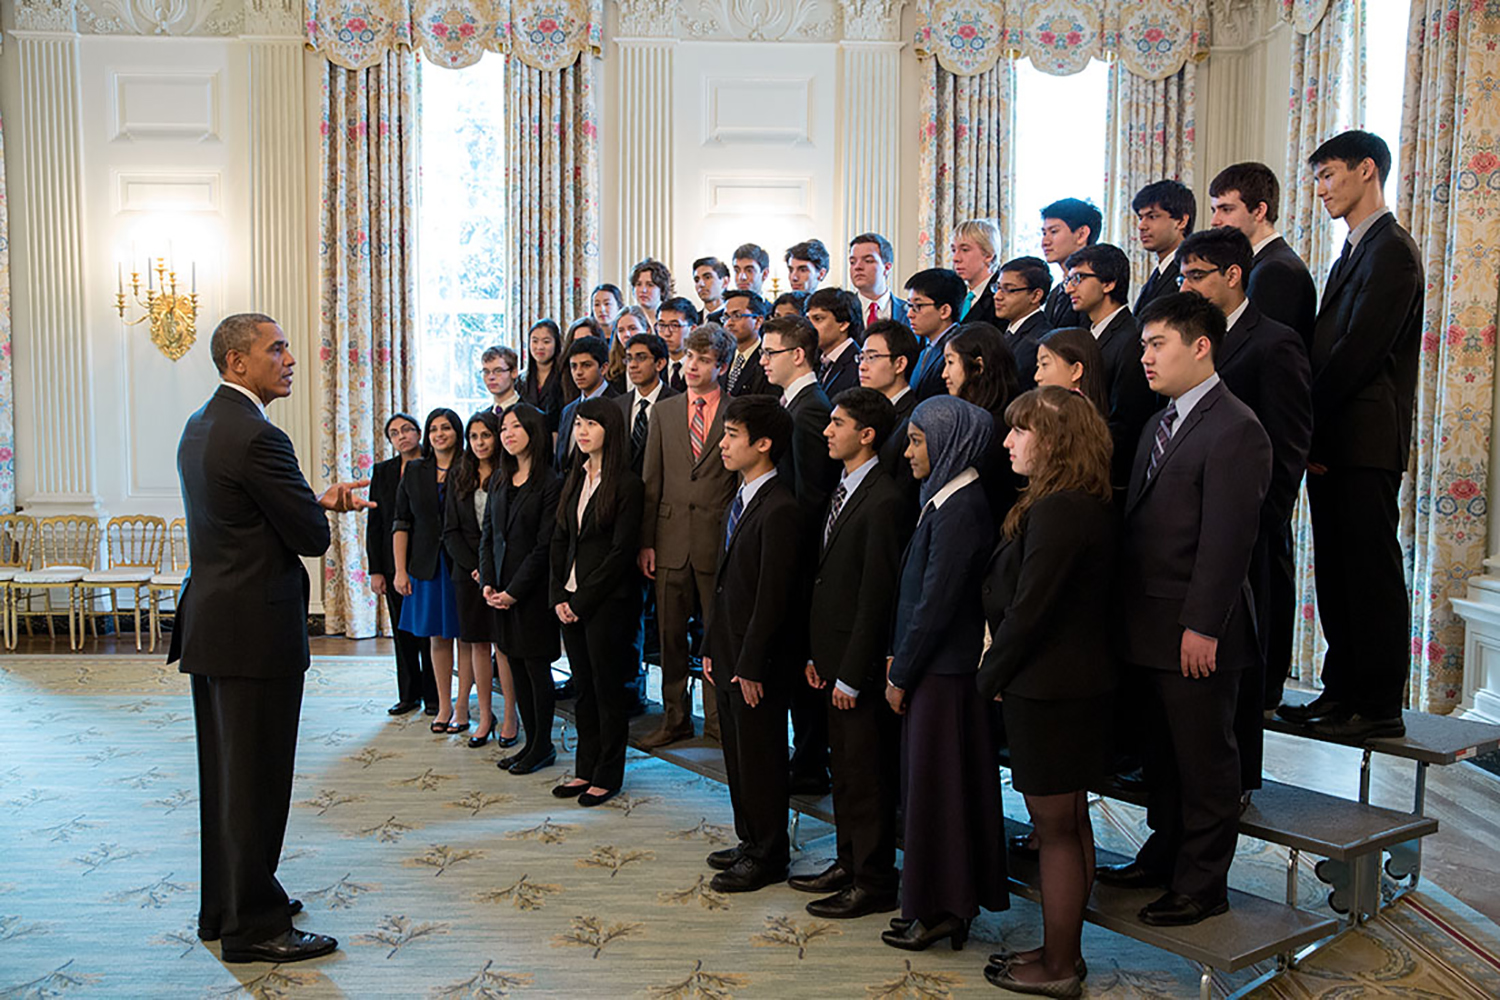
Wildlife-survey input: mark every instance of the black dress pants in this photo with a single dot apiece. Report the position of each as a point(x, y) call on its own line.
point(1277, 610)
point(755, 761)
point(247, 744)
point(865, 756)
point(536, 701)
point(602, 655)
point(415, 681)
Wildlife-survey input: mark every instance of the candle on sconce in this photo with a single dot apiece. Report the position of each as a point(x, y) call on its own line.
point(120, 277)
point(195, 278)
point(148, 272)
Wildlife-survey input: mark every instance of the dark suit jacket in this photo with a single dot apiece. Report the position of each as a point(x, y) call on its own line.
point(461, 533)
point(842, 374)
point(1059, 309)
point(547, 397)
point(626, 400)
point(898, 310)
point(746, 630)
point(514, 548)
point(1364, 354)
point(685, 500)
point(1165, 284)
point(854, 589)
point(928, 380)
point(1131, 400)
point(983, 309)
point(605, 556)
point(750, 381)
point(1044, 595)
point(1023, 344)
point(939, 619)
point(1264, 363)
point(1188, 536)
point(419, 513)
point(1281, 287)
point(674, 378)
point(385, 477)
point(893, 454)
point(250, 515)
point(564, 450)
point(806, 467)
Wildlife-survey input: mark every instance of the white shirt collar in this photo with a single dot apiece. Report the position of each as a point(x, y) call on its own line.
point(953, 485)
point(882, 304)
point(1099, 327)
point(1234, 317)
point(511, 399)
point(598, 390)
point(248, 395)
point(1191, 398)
point(752, 487)
point(904, 390)
point(1258, 247)
point(789, 394)
point(1017, 324)
point(851, 480)
point(838, 351)
point(1166, 262)
point(650, 398)
point(1358, 232)
point(749, 350)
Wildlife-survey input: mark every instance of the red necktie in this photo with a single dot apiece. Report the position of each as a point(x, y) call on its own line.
point(870, 319)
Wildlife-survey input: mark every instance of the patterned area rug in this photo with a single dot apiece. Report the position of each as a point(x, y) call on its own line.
point(442, 876)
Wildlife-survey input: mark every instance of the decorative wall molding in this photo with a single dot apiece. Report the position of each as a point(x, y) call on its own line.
point(158, 191)
point(869, 125)
point(736, 194)
point(872, 20)
point(1238, 23)
point(761, 20)
point(656, 19)
point(739, 109)
point(167, 105)
point(162, 18)
point(646, 180)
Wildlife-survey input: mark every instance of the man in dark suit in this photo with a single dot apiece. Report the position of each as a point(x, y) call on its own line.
point(807, 265)
point(645, 362)
point(1068, 225)
point(1186, 615)
point(242, 636)
point(1364, 379)
point(790, 345)
point(1264, 364)
point(933, 298)
point(832, 313)
point(871, 258)
point(749, 656)
point(1246, 196)
point(853, 599)
point(1098, 283)
point(415, 681)
point(743, 315)
point(975, 253)
point(1020, 293)
point(710, 278)
point(687, 489)
point(890, 352)
point(1164, 212)
point(674, 320)
point(586, 359)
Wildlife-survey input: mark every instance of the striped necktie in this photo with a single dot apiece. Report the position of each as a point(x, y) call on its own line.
point(735, 368)
point(1163, 435)
point(640, 429)
point(735, 510)
point(839, 496)
point(698, 429)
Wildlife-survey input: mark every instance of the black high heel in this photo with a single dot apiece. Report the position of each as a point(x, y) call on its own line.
point(480, 739)
point(506, 742)
point(918, 937)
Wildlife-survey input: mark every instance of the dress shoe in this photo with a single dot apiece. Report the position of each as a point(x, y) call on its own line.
point(563, 691)
point(506, 742)
point(1176, 910)
point(293, 907)
point(725, 859)
point(1356, 728)
point(917, 936)
point(1004, 958)
point(481, 737)
point(831, 879)
point(591, 799)
point(535, 763)
point(430, 710)
point(566, 791)
point(809, 784)
point(288, 946)
point(664, 737)
point(1321, 707)
point(402, 707)
point(1000, 976)
point(1133, 875)
point(1021, 849)
point(510, 760)
point(847, 904)
point(747, 875)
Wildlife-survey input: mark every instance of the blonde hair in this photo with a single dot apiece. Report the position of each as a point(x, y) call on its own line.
point(1072, 448)
point(983, 234)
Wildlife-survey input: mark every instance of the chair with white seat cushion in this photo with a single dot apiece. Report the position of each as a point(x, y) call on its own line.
point(169, 582)
point(67, 547)
point(134, 543)
point(17, 538)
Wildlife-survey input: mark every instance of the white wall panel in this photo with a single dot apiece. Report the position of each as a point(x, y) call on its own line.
point(166, 105)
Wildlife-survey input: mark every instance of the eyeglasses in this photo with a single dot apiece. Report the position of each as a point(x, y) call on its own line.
point(767, 352)
point(862, 356)
point(498, 370)
point(1014, 289)
point(912, 305)
point(640, 357)
point(1074, 279)
point(669, 324)
point(739, 315)
point(1197, 274)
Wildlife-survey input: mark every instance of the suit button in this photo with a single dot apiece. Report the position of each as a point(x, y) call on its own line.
point(986, 590)
point(719, 591)
point(692, 506)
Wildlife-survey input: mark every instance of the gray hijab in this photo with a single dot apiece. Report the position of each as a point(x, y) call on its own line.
point(957, 434)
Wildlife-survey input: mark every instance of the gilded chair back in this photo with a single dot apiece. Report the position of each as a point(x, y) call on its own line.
point(135, 541)
point(67, 540)
point(178, 544)
point(17, 540)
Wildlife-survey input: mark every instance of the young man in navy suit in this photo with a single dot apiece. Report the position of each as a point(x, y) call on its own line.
point(1068, 225)
point(586, 359)
point(1246, 196)
point(743, 315)
point(1020, 294)
point(1164, 212)
point(747, 655)
point(871, 258)
point(831, 311)
point(1187, 622)
point(933, 299)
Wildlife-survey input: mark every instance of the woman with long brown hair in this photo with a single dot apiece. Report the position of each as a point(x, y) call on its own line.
point(1047, 593)
point(1069, 358)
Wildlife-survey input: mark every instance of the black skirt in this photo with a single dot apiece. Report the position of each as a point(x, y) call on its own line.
point(1058, 746)
point(476, 619)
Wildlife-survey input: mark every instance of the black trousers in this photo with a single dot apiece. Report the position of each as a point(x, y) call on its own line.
point(415, 681)
point(755, 760)
point(247, 745)
point(1193, 770)
point(536, 701)
point(865, 756)
point(1276, 603)
point(809, 733)
point(1362, 599)
point(602, 655)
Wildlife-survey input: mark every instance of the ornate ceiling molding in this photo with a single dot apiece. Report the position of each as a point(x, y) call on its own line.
point(761, 20)
point(162, 18)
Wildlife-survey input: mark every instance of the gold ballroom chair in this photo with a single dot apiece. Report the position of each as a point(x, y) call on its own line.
point(17, 538)
point(134, 544)
point(67, 547)
point(169, 581)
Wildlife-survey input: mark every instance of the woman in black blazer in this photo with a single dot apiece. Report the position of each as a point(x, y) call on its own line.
point(421, 565)
point(1046, 592)
point(980, 368)
point(1069, 357)
point(597, 595)
point(463, 510)
point(542, 385)
point(514, 548)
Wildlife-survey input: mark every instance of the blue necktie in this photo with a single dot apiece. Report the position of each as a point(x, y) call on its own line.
point(968, 304)
point(735, 510)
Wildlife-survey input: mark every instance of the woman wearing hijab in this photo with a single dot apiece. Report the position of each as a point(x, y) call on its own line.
point(950, 785)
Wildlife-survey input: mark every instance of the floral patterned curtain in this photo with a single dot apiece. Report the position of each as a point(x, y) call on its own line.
point(1450, 193)
point(367, 295)
point(7, 390)
point(964, 157)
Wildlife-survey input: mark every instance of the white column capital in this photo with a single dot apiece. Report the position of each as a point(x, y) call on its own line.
point(872, 20)
point(647, 20)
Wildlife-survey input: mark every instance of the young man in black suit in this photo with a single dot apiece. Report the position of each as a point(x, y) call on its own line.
point(1191, 520)
point(747, 655)
point(1068, 225)
point(743, 314)
point(807, 265)
point(871, 258)
point(710, 278)
point(1264, 364)
point(586, 359)
point(933, 298)
point(790, 345)
point(1364, 380)
point(832, 313)
point(750, 266)
point(1020, 293)
point(1246, 196)
point(1164, 212)
point(242, 636)
point(676, 318)
point(645, 363)
point(890, 353)
point(853, 602)
point(1098, 284)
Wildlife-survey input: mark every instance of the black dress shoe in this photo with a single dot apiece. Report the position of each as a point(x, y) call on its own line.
point(1357, 728)
point(590, 799)
point(919, 937)
point(1176, 910)
point(288, 946)
point(1021, 849)
point(1321, 707)
point(430, 710)
point(1133, 875)
point(853, 902)
point(535, 763)
point(293, 907)
point(402, 707)
point(1001, 959)
point(831, 879)
point(747, 875)
point(999, 975)
point(809, 784)
point(508, 761)
point(566, 791)
point(725, 859)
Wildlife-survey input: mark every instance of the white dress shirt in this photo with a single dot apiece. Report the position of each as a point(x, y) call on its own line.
point(635, 403)
point(850, 482)
point(1189, 399)
point(789, 394)
point(882, 306)
point(248, 395)
point(1099, 327)
point(1235, 314)
point(590, 487)
point(1016, 324)
point(1258, 247)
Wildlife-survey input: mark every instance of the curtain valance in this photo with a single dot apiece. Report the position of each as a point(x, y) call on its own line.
point(1151, 38)
point(1304, 15)
point(543, 34)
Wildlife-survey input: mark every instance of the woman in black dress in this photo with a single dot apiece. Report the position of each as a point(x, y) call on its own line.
point(542, 384)
point(1047, 588)
point(596, 593)
point(514, 549)
point(979, 368)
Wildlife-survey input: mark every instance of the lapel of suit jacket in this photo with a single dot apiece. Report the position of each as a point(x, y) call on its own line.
point(1236, 338)
point(851, 503)
point(513, 504)
point(1355, 256)
point(1122, 320)
point(1193, 419)
point(739, 526)
point(715, 432)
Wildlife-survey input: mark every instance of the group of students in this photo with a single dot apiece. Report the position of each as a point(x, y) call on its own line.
point(996, 513)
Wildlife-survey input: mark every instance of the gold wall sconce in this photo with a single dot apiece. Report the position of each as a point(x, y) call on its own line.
point(171, 315)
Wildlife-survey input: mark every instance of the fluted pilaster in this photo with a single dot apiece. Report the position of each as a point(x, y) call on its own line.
point(870, 136)
point(645, 124)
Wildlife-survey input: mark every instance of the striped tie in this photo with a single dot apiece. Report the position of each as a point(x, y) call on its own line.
point(698, 430)
point(735, 369)
point(1163, 435)
point(735, 510)
point(839, 495)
